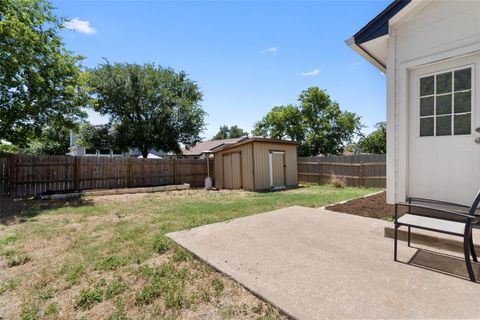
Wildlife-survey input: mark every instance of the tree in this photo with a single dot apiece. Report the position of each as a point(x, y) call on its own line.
point(375, 142)
point(317, 122)
point(226, 132)
point(51, 141)
point(39, 78)
point(96, 136)
point(149, 106)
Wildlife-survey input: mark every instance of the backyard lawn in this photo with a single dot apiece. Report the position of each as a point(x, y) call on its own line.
point(107, 257)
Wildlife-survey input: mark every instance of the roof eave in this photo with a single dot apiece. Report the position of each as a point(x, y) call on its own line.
point(367, 55)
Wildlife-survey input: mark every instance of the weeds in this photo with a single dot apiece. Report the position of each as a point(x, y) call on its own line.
point(9, 285)
point(160, 244)
point(8, 239)
point(111, 263)
point(52, 309)
point(30, 312)
point(17, 260)
point(87, 298)
point(338, 181)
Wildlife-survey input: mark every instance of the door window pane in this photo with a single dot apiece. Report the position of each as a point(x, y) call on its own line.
point(426, 106)
point(461, 124)
point(444, 104)
point(426, 86)
point(426, 127)
point(444, 126)
point(463, 79)
point(444, 83)
point(463, 101)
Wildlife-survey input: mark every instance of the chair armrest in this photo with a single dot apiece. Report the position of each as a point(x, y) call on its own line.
point(467, 217)
point(437, 202)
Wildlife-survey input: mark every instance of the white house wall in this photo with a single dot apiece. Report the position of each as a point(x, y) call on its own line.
point(440, 30)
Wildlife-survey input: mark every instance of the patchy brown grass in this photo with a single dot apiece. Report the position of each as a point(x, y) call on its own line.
point(108, 258)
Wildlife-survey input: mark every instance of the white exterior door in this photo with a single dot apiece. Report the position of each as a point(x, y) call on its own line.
point(443, 157)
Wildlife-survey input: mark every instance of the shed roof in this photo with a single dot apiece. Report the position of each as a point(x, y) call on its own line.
point(209, 146)
point(255, 139)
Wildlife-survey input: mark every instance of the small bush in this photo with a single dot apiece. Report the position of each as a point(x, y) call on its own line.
point(338, 181)
point(160, 244)
point(87, 298)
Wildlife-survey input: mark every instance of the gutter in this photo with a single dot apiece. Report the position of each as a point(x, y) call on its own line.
point(367, 55)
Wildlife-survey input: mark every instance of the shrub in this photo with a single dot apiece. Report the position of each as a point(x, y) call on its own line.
point(338, 181)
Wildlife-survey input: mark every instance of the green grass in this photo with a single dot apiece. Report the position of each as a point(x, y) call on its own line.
point(115, 251)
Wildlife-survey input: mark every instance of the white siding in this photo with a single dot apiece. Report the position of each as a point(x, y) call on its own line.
point(441, 30)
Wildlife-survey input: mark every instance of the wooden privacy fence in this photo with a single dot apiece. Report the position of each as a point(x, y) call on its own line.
point(22, 176)
point(353, 168)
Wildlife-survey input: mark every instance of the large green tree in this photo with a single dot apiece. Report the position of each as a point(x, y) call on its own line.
point(375, 142)
point(226, 132)
point(150, 106)
point(39, 78)
point(96, 136)
point(317, 122)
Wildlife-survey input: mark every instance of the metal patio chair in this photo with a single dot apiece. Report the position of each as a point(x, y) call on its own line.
point(449, 218)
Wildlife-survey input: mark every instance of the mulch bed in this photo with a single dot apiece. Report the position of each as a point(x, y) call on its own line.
point(374, 206)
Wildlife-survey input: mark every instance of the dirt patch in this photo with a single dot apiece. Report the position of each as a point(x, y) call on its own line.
point(374, 206)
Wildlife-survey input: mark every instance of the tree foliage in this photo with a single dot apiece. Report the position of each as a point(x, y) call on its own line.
point(50, 141)
point(150, 107)
point(226, 132)
point(96, 136)
point(375, 142)
point(39, 78)
point(317, 122)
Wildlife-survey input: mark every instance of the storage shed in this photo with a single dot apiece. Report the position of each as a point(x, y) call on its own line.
point(256, 164)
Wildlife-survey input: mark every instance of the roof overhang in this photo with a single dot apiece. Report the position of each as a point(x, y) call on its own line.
point(371, 42)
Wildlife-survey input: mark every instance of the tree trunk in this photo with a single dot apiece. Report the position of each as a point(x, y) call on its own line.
point(144, 153)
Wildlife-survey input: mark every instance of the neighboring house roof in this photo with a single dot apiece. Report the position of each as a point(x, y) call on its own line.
point(255, 139)
point(209, 146)
point(371, 41)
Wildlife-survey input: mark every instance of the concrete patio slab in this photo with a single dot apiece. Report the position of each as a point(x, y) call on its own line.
point(315, 264)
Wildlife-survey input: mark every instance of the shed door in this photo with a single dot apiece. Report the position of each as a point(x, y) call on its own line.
point(444, 158)
point(232, 171)
point(277, 169)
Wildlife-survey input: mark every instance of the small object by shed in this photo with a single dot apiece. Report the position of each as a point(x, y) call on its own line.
point(256, 164)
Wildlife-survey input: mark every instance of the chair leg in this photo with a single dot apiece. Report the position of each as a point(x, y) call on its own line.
point(472, 249)
point(466, 249)
point(409, 236)
point(395, 244)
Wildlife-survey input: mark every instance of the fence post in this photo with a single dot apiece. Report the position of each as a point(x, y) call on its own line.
point(129, 172)
point(76, 173)
point(318, 172)
point(360, 175)
point(13, 175)
point(174, 171)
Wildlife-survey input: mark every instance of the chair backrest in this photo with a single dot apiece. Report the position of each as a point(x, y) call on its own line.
point(475, 203)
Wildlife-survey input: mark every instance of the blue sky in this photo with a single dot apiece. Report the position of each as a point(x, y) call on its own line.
point(245, 56)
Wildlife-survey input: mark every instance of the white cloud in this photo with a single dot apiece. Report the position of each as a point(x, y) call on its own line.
point(313, 73)
point(82, 26)
point(269, 50)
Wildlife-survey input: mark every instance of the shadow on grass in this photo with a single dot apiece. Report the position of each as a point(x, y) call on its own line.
point(20, 210)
